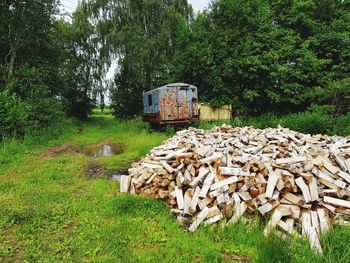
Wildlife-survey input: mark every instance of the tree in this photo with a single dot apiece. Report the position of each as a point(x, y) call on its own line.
point(141, 35)
point(48, 66)
point(26, 30)
point(265, 55)
point(81, 68)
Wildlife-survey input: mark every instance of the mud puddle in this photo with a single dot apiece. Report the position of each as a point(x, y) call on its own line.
point(93, 168)
point(103, 149)
point(96, 150)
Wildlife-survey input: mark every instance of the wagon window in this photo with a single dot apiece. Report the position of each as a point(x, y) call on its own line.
point(149, 99)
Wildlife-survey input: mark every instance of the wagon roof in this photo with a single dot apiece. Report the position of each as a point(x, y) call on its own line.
point(171, 85)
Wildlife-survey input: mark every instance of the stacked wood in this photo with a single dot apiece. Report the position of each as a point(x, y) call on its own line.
point(301, 181)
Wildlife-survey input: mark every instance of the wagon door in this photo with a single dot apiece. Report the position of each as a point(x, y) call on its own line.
point(183, 103)
point(168, 104)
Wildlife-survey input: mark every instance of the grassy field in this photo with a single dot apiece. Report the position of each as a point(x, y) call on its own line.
point(51, 211)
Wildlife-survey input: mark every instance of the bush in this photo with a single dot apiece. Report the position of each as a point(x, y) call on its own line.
point(308, 122)
point(341, 125)
point(315, 121)
point(263, 121)
point(338, 93)
point(26, 103)
point(44, 109)
point(13, 114)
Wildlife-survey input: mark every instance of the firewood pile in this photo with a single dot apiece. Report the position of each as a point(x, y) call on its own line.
point(301, 182)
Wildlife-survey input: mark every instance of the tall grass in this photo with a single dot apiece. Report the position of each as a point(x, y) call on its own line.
point(14, 149)
point(306, 122)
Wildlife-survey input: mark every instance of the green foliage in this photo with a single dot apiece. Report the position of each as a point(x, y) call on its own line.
point(28, 83)
point(264, 56)
point(170, 130)
point(341, 125)
point(142, 37)
point(49, 67)
point(320, 120)
point(274, 249)
point(26, 33)
point(308, 122)
point(336, 95)
point(81, 71)
point(29, 66)
point(13, 114)
point(26, 103)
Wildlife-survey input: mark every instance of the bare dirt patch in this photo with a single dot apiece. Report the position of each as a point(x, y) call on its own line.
point(95, 170)
point(57, 150)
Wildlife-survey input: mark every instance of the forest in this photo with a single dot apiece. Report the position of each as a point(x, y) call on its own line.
point(278, 62)
point(279, 57)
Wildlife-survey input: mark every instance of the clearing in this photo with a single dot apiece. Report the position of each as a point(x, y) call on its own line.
point(58, 204)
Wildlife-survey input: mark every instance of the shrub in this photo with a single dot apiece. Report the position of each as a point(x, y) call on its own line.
point(13, 114)
point(29, 85)
point(308, 122)
point(264, 121)
point(312, 122)
point(341, 125)
point(316, 120)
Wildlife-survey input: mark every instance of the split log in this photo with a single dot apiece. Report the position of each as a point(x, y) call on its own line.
point(179, 198)
point(238, 212)
point(225, 182)
point(199, 219)
point(271, 183)
point(124, 183)
point(336, 201)
point(304, 189)
point(276, 217)
point(194, 201)
point(206, 185)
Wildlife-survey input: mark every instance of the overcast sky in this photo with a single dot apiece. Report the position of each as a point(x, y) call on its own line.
point(198, 5)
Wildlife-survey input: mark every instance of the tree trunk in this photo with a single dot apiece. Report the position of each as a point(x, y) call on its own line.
point(12, 62)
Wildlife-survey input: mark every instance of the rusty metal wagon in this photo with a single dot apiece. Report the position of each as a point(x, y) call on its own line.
point(175, 103)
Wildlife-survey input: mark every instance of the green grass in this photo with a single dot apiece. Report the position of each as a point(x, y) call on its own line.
point(50, 211)
point(306, 122)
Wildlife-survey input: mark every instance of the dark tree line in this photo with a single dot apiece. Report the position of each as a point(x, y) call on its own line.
point(282, 56)
point(263, 56)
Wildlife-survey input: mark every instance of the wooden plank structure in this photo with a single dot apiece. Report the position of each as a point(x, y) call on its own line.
point(209, 113)
point(227, 173)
